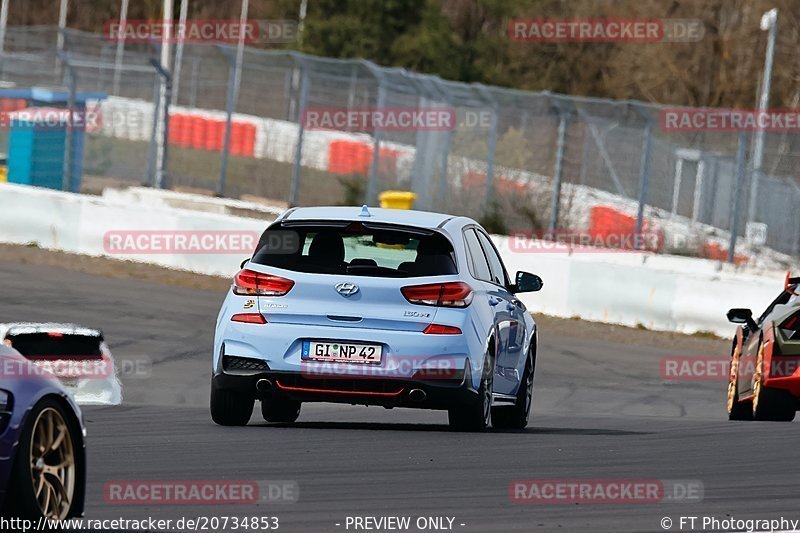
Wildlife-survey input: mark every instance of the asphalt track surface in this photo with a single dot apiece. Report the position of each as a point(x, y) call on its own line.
point(601, 411)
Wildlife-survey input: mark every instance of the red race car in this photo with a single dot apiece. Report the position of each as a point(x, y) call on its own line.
point(765, 360)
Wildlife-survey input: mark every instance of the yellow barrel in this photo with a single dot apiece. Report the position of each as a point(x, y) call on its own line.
point(397, 199)
point(3, 173)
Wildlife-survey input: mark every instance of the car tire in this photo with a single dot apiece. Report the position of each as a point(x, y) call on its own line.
point(516, 416)
point(280, 410)
point(773, 405)
point(737, 410)
point(57, 466)
point(231, 408)
point(476, 416)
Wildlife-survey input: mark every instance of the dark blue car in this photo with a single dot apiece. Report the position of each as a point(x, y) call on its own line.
point(42, 451)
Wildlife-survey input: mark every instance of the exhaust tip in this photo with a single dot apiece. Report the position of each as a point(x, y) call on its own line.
point(417, 395)
point(263, 386)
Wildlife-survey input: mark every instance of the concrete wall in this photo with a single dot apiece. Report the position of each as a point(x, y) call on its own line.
point(658, 292)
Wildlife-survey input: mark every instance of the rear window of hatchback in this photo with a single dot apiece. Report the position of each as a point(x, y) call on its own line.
point(356, 248)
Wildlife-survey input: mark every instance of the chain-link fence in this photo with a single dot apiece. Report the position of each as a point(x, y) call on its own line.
point(516, 160)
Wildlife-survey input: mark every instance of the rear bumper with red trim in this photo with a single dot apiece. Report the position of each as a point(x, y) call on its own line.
point(439, 392)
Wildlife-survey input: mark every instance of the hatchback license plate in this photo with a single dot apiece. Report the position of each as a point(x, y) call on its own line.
point(342, 352)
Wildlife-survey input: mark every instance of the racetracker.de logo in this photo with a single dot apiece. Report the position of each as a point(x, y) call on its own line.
point(180, 242)
point(204, 492)
point(383, 119)
point(62, 367)
point(396, 366)
point(573, 491)
point(605, 30)
point(729, 120)
point(579, 241)
point(201, 31)
point(711, 368)
point(42, 118)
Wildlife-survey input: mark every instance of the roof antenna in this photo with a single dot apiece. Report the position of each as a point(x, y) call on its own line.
point(365, 211)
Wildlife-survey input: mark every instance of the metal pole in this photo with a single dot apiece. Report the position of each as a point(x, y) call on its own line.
point(295, 81)
point(644, 180)
point(584, 157)
point(351, 95)
point(298, 154)
point(441, 194)
point(162, 156)
point(151, 149)
point(3, 22)
point(162, 175)
point(737, 195)
point(796, 240)
point(162, 117)
point(698, 190)
point(492, 146)
point(372, 183)
point(176, 72)
point(68, 140)
point(487, 197)
point(123, 17)
point(555, 201)
point(769, 21)
point(234, 79)
point(230, 103)
point(193, 91)
point(62, 24)
point(302, 21)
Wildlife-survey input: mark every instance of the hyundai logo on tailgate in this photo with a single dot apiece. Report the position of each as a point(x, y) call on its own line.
point(346, 288)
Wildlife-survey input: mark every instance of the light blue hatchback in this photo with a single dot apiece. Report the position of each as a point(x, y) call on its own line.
point(375, 307)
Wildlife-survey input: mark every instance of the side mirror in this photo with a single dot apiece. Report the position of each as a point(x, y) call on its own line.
point(742, 316)
point(527, 282)
point(244, 263)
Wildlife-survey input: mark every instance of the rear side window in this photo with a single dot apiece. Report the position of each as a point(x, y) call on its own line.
point(495, 263)
point(43, 344)
point(479, 268)
point(358, 249)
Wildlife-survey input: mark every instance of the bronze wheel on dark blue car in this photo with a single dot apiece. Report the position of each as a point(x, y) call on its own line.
point(46, 474)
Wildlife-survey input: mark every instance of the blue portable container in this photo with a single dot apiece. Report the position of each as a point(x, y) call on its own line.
point(38, 138)
point(36, 148)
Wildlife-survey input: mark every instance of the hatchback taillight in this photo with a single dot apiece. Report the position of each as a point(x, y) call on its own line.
point(251, 283)
point(451, 294)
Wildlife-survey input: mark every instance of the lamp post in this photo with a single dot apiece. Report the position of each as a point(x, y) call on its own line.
point(769, 22)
